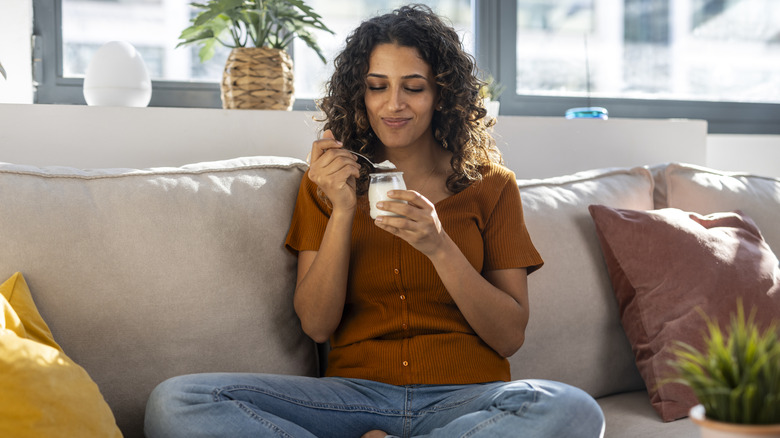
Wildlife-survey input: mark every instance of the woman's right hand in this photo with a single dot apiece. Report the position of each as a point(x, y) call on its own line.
point(335, 171)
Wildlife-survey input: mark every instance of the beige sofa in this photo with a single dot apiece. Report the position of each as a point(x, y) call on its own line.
point(147, 274)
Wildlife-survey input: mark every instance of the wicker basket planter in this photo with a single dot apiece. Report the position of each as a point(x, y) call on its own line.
point(258, 78)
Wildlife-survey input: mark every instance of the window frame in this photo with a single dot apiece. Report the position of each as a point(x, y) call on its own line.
point(495, 22)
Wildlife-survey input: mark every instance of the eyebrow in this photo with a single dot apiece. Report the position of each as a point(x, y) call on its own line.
point(411, 76)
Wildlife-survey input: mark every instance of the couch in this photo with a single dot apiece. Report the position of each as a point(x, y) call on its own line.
point(144, 274)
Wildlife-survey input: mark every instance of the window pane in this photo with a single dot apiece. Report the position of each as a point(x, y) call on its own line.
point(704, 50)
point(153, 27)
point(344, 16)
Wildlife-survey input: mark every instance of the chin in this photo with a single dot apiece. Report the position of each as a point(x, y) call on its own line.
point(393, 142)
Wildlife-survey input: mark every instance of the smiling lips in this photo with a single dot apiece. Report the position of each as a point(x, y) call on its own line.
point(393, 122)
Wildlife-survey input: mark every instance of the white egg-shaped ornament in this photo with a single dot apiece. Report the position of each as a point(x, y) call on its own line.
point(117, 76)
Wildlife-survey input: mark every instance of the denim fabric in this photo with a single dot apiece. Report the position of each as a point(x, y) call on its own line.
point(264, 405)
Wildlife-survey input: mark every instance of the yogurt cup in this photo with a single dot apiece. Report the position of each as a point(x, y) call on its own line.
point(379, 185)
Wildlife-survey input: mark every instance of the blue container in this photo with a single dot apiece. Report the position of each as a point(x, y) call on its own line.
point(592, 112)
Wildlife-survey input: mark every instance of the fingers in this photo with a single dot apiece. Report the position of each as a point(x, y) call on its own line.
point(417, 224)
point(327, 142)
point(341, 171)
point(328, 157)
point(416, 208)
point(412, 197)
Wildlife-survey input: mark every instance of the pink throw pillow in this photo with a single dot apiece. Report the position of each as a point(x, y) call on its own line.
point(664, 264)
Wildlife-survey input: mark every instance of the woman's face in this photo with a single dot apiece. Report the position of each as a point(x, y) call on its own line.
point(400, 96)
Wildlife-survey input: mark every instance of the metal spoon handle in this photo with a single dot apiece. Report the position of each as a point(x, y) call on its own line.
point(365, 158)
point(385, 165)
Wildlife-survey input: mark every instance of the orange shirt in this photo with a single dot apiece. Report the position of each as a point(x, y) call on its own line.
point(400, 326)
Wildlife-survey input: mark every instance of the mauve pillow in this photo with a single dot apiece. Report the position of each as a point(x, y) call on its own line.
point(664, 264)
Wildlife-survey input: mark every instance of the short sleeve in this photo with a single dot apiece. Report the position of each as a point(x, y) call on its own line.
point(507, 243)
point(310, 217)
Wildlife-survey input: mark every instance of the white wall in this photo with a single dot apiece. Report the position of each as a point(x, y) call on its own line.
point(16, 51)
point(538, 147)
point(759, 154)
point(92, 137)
point(534, 147)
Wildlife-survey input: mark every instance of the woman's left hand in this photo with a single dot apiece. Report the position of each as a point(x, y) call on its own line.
point(495, 305)
point(418, 223)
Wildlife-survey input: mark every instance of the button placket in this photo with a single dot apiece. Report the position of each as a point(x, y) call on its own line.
point(403, 298)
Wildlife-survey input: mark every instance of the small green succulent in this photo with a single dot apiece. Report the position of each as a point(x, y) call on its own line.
point(737, 376)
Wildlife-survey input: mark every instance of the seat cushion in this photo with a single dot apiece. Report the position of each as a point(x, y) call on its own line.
point(631, 415)
point(147, 274)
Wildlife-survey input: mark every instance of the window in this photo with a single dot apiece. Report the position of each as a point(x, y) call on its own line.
point(153, 27)
point(343, 16)
point(711, 59)
point(708, 59)
point(705, 50)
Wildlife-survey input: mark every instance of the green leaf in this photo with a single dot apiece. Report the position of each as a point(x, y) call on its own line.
point(259, 23)
point(207, 51)
point(191, 35)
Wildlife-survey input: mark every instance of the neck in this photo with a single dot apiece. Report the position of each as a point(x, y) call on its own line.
point(418, 159)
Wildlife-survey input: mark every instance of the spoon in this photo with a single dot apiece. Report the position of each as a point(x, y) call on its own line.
point(384, 165)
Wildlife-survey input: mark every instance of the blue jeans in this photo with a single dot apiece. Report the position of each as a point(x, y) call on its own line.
point(265, 405)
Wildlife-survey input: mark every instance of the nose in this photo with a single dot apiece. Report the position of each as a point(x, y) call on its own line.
point(396, 98)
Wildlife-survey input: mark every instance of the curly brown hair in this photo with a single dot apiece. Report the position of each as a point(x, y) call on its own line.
point(460, 126)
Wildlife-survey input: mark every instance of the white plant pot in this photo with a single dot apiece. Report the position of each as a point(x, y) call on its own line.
point(492, 107)
point(717, 429)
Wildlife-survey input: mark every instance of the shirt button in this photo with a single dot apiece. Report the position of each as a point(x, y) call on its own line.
point(404, 326)
point(396, 271)
point(403, 297)
point(406, 364)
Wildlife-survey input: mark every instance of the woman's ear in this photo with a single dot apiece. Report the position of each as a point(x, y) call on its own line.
point(438, 104)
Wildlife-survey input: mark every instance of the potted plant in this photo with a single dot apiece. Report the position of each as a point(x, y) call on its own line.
point(736, 378)
point(258, 72)
point(490, 91)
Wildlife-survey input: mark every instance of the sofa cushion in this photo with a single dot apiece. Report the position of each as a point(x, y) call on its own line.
point(574, 332)
point(630, 415)
point(667, 264)
point(704, 191)
point(147, 274)
point(43, 393)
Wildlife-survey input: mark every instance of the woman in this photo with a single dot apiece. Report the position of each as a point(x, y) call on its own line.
point(421, 306)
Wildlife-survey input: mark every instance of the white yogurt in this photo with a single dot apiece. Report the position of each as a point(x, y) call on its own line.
point(379, 185)
point(385, 165)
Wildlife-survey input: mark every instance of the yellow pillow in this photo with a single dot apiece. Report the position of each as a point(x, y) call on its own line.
point(43, 393)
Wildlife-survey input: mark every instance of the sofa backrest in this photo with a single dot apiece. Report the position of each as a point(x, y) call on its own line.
point(147, 274)
point(574, 334)
point(705, 191)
